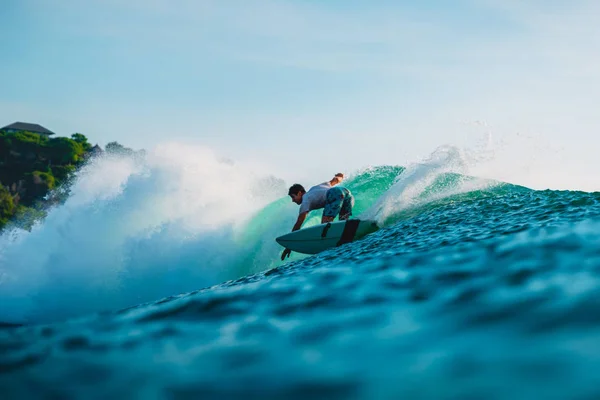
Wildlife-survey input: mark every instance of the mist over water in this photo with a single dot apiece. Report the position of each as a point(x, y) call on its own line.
point(132, 231)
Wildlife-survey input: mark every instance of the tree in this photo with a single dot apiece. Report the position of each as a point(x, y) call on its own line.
point(7, 206)
point(63, 150)
point(37, 169)
point(82, 140)
point(37, 185)
point(117, 148)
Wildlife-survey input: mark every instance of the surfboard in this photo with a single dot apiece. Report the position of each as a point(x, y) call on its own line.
point(316, 239)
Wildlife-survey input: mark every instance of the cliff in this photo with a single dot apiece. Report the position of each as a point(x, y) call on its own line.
point(31, 166)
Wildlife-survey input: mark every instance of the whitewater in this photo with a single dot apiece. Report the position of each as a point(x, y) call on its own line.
point(159, 277)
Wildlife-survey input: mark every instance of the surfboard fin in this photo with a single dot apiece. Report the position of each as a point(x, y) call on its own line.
point(325, 229)
point(349, 231)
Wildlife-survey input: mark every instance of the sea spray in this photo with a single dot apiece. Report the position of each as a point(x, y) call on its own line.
point(132, 231)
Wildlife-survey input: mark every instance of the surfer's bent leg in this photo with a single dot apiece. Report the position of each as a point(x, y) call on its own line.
point(333, 204)
point(347, 204)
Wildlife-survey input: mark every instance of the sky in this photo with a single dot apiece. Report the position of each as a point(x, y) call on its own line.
point(310, 88)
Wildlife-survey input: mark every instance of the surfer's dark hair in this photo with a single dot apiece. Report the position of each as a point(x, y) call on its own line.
point(295, 189)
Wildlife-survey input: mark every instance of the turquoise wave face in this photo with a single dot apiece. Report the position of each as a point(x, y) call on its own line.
point(381, 193)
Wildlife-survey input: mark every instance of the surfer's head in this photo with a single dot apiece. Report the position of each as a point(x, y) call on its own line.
point(337, 179)
point(296, 192)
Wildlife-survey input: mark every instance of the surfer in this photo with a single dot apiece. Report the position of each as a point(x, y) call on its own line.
point(334, 199)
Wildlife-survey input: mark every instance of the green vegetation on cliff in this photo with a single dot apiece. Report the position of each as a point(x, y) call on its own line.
point(31, 166)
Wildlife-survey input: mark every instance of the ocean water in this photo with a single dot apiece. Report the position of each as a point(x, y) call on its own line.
point(153, 282)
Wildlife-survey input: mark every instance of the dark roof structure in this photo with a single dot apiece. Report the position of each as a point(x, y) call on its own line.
point(24, 126)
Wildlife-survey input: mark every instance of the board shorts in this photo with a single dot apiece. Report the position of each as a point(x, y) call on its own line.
point(340, 201)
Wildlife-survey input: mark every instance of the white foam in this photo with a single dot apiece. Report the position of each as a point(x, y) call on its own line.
point(410, 186)
point(132, 231)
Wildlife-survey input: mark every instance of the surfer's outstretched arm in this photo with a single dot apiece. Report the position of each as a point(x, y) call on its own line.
point(286, 253)
point(297, 225)
point(299, 221)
